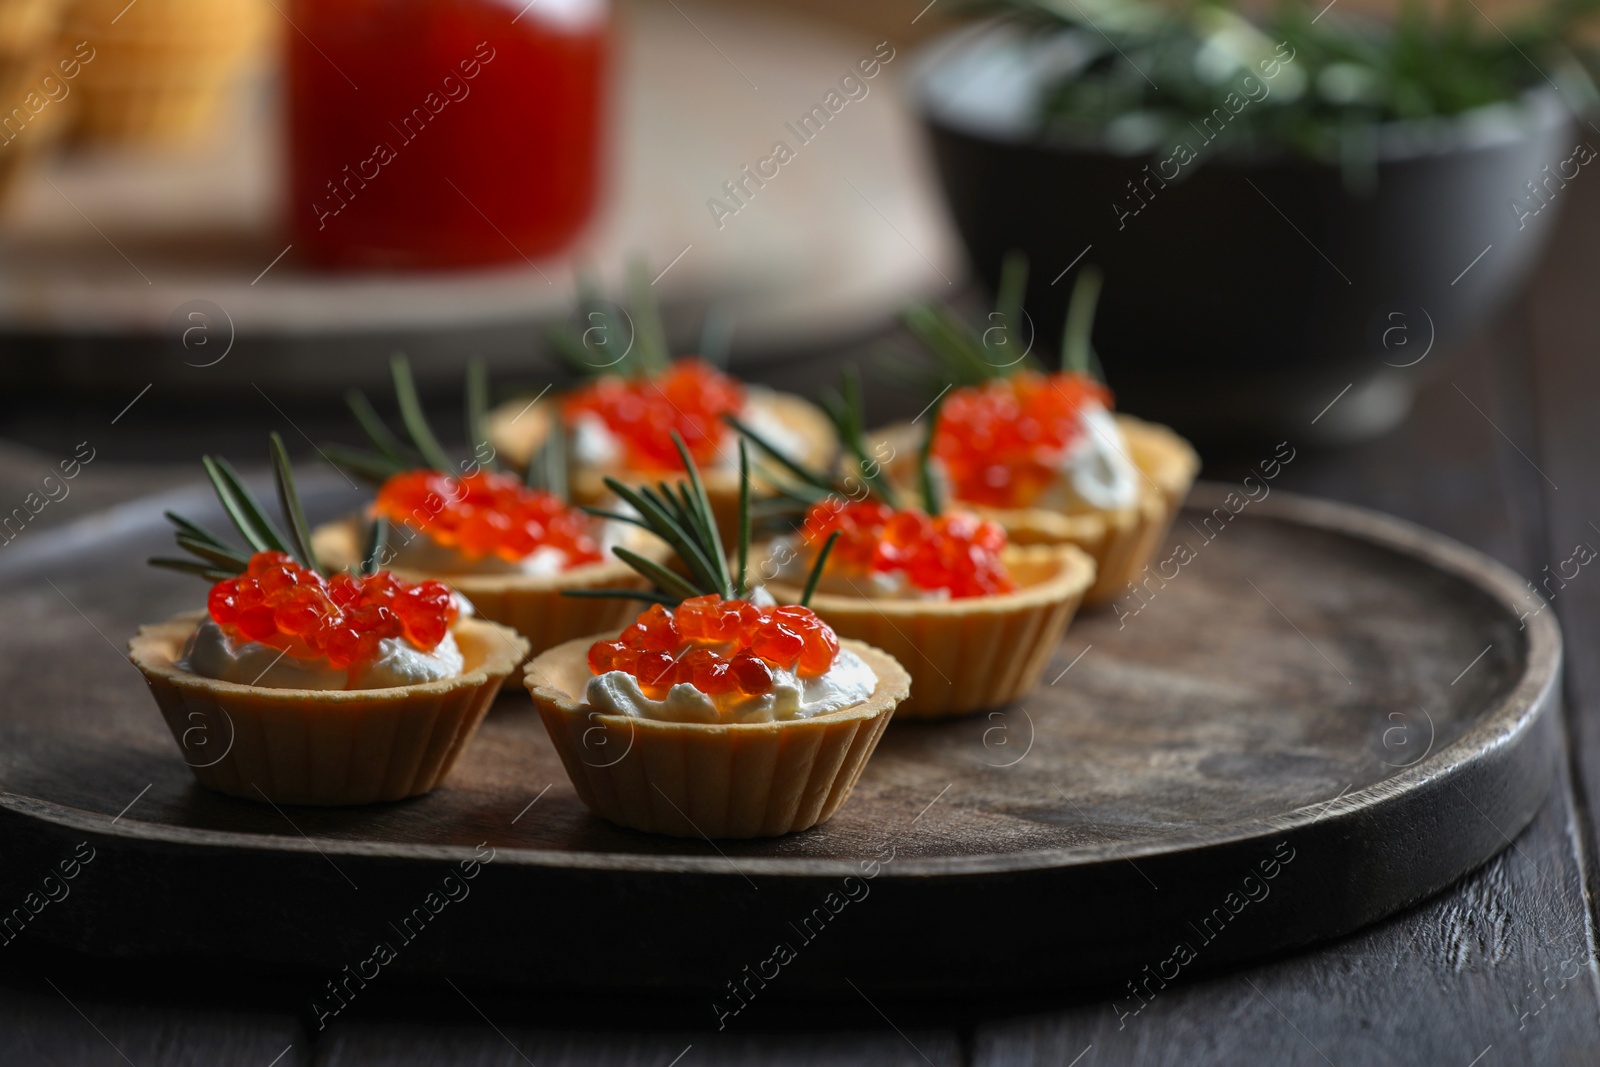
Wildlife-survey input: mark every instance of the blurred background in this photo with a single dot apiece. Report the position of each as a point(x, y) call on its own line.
point(218, 214)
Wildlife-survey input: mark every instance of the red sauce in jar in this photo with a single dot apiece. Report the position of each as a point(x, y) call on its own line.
point(443, 133)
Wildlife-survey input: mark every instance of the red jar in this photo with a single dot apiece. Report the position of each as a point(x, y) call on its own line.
point(443, 133)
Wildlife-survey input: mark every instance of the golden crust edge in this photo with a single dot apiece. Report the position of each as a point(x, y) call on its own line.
point(894, 685)
point(502, 649)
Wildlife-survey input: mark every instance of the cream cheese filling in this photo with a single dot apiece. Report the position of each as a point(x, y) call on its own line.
point(211, 653)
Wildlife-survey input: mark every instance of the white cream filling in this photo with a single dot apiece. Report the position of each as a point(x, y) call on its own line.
point(789, 559)
point(1096, 472)
point(847, 683)
point(211, 653)
point(594, 445)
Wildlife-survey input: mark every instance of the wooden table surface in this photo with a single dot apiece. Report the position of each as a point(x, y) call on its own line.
point(1499, 969)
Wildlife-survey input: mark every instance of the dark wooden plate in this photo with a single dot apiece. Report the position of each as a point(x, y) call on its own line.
point(1320, 717)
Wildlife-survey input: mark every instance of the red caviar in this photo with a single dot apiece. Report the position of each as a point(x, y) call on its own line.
point(718, 646)
point(277, 602)
point(959, 552)
point(690, 397)
point(487, 513)
point(1001, 442)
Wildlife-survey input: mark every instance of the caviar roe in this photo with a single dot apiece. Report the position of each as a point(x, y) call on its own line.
point(718, 646)
point(691, 397)
point(487, 514)
point(959, 552)
point(1001, 442)
point(279, 603)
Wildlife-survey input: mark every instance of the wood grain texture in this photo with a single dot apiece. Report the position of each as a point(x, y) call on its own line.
point(1439, 984)
point(1181, 753)
point(62, 1020)
point(1467, 970)
point(491, 1045)
point(1563, 379)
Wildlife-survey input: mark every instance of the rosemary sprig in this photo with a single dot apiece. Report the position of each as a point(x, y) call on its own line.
point(289, 503)
point(215, 559)
point(189, 566)
point(716, 335)
point(816, 568)
point(218, 556)
point(383, 439)
point(958, 352)
point(849, 420)
point(368, 466)
point(248, 518)
point(744, 519)
point(806, 475)
point(411, 414)
point(650, 336)
point(700, 505)
point(389, 455)
point(963, 354)
point(682, 518)
point(1008, 300)
point(845, 408)
point(1077, 349)
point(547, 468)
point(194, 529)
point(478, 412)
point(932, 500)
point(377, 546)
point(659, 516)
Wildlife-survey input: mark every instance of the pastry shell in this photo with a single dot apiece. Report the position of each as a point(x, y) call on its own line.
point(163, 73)
point(531, 604)
point(973, 653)
point(307, 746)
point(1122, 541)
point(711, 780)
point(517, 431)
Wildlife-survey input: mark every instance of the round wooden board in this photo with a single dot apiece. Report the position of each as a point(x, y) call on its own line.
point(1323, 716)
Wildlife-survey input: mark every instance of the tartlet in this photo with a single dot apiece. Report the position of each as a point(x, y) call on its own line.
point(1040, 451)
point(619, 423)
point(518, 430)
point(727, 780)
point(968, 654)
point(718, 713)
point(973, 619)
point(295, 686)
point(473, 526)
point(1121, 541)
point(164, 69)
point(309, 746)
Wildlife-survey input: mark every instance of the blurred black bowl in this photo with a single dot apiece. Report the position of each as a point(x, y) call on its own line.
point(1246, 295)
